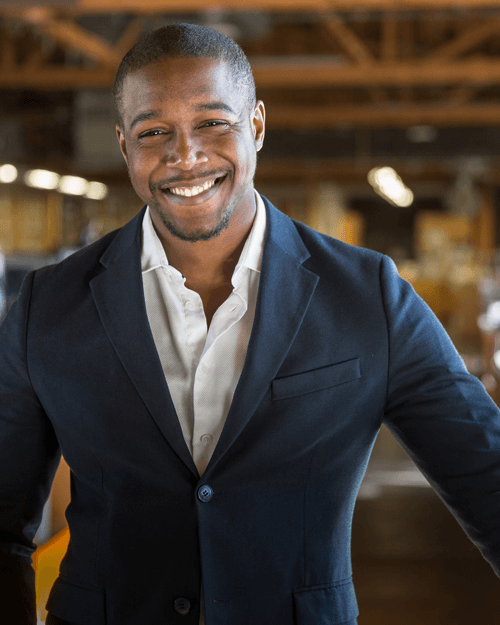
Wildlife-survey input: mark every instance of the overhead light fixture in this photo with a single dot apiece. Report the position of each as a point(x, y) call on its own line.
point(496, 360)
point(490, 320)
point(96, 191)
point(41, 179)
point(386, 183)
point(73, 185)
point(8, 173)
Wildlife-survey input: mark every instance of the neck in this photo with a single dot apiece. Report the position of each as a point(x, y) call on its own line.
point(207, 263)
point(214, 259)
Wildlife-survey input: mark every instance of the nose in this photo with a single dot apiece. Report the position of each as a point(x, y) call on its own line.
point(184, 152)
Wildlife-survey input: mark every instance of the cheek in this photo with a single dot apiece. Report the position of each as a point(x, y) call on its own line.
point(135, 174)
point(140, 170)
point(247, 161)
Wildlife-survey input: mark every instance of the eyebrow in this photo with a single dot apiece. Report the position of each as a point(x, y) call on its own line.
point(215, 106)
point(143, 117)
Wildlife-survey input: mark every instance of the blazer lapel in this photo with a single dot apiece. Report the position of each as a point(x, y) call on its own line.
point(285, 290)
point(119, 297)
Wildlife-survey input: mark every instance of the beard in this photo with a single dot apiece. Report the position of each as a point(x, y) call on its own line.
point(196, 235)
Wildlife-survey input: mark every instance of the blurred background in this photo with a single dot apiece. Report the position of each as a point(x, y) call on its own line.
point(383, 130)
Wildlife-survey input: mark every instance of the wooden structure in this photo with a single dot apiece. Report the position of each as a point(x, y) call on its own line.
point(318, 64)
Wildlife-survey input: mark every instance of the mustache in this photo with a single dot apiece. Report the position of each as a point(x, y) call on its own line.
point(179, 180)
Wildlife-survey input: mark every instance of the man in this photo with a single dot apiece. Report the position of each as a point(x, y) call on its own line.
point(215, 376)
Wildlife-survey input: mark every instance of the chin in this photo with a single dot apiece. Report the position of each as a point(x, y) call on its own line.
point(192, 236)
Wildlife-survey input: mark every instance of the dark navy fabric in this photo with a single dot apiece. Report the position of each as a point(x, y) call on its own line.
point(340, 344)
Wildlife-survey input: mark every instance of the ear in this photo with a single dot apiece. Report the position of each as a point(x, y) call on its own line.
point(259, 124)
point(121, 140)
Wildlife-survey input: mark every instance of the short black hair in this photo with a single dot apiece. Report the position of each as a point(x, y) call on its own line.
point(186, 41)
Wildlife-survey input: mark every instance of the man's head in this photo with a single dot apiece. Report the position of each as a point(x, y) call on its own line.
point(190, 130)
point(186, 41)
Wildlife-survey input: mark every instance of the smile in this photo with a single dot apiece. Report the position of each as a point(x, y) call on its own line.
point(192, 191)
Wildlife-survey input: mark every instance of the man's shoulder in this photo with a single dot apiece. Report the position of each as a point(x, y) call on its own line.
point(339, 265)
point(89, 257)
point(319, 246)
point(79, 268)
point(318, 242)
point(325, 251)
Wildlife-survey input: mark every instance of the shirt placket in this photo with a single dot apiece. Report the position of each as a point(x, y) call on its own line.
point(209, 384)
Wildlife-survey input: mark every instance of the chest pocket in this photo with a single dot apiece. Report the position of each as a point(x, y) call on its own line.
point(315, 380)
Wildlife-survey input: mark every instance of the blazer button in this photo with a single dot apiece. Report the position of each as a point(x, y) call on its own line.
point(182, 606)
point(205, 493)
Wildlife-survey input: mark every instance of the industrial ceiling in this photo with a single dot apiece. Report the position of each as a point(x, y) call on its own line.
point(329, 72)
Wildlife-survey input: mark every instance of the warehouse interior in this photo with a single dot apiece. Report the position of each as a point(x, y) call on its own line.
point(383, 130)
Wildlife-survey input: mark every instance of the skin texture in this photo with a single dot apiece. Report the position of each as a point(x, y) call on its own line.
point(185, 123)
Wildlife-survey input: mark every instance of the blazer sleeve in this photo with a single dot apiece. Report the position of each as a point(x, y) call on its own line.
point(29, 456)
point(441, 415)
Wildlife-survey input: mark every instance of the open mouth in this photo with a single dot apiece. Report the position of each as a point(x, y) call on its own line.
point(195, 190)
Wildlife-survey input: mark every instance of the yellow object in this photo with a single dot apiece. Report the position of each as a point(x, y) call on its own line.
point(46, 561)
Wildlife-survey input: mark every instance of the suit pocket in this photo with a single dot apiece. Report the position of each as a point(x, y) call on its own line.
point(76, 604)
point(316, 380)
point(330, 604)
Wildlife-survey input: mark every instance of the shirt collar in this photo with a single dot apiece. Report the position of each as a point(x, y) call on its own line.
point(153, 254)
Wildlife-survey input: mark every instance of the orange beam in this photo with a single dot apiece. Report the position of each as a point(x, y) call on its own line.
point(466, 41)
point(304, 72)
point(282, 72)
point(347, 38)
point(192, 6)
point(388, 114)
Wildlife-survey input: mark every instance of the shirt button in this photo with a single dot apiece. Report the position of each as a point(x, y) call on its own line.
point(204, 368)
point(205, 493)
point(189, 305)
point(182, 606)
point(206, 438)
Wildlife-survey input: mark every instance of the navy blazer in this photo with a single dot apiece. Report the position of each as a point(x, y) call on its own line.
point(340, 344)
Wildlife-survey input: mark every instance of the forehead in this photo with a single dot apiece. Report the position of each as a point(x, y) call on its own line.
point(180, 82)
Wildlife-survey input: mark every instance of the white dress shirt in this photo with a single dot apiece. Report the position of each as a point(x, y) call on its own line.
point(202, 365)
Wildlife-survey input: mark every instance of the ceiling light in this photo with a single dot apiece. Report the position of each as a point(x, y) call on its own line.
point(496, 360)
point(493, 314)
point(73, 185)
point(42, 179)
point(96, 191)
point(386, 182)
point(8, 173)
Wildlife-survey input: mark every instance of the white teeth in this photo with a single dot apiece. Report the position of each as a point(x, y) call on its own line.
point(191, 191)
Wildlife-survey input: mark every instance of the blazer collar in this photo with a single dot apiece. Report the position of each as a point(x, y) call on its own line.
point(127, 239)
point(280, 231)
point(119, 297)
point(285, 290)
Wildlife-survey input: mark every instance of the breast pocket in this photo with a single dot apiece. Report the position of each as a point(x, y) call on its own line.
point(316, 380)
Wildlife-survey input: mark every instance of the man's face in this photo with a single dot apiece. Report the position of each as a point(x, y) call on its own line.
point(190, 142)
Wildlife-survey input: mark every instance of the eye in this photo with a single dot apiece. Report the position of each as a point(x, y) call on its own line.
point(214, 123)
point(151, 133)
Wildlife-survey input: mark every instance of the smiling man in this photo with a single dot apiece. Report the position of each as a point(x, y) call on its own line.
point(190, 146)
point(210, 131)
point(215, 375)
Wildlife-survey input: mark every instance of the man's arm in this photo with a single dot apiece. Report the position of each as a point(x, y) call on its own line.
point(29, 455)
point(442, 416)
